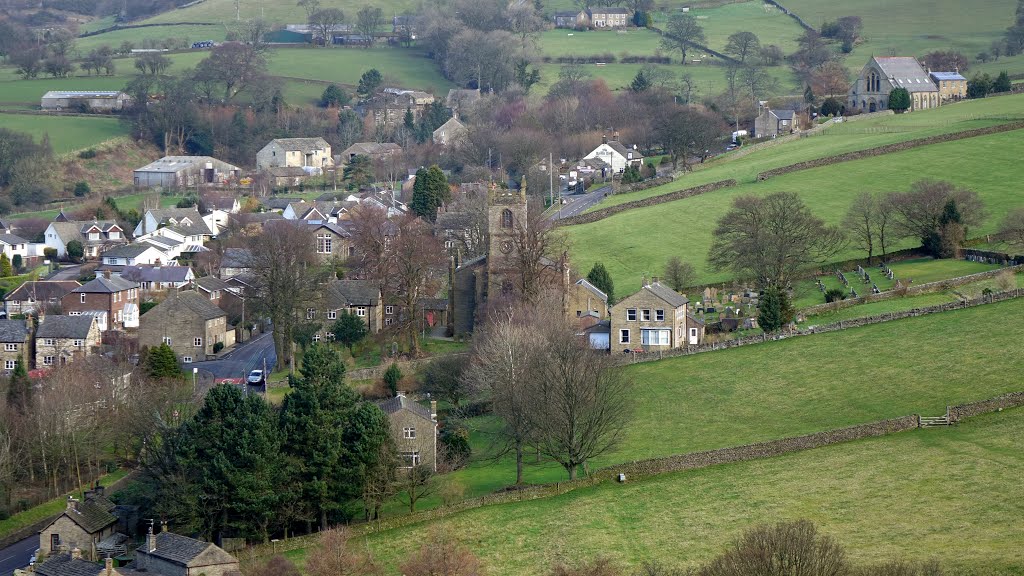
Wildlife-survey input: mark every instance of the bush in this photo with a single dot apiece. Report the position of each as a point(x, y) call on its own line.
point(392, 376)
point(87, 154)
point(82, 189)
point(835, 295)
point(899, 100)
point(783, 548)
point(774, 310)
point(218, 347)
point(832, 107)
point(146, 307)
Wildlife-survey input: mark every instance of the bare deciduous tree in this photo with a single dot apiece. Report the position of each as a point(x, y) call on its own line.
point(441, 555)
point(861, 222)
point(917, 212)
point(772, 239)
point(1012, 227)
point(536, 247)
point(679, 274)
point(336, 555)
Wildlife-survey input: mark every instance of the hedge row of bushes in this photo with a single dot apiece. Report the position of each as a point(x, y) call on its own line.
point(607, 58)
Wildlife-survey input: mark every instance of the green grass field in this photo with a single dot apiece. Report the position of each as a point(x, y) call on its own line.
point(770, 25)
point(953, 494)
point(137, 35)
point(67, 133)
point(684, 227)
point(50, 507)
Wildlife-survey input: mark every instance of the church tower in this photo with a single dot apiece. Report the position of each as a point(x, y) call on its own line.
point(506, 218)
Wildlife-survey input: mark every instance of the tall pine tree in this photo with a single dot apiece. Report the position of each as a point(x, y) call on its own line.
point(600, 278)
point(429, 192)
point(19, 390)
point(162, 363)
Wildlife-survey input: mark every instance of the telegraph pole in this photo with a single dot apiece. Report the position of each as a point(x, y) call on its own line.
point(551, 177)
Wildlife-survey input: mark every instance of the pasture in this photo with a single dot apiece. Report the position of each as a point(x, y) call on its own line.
point(881, 498)
point(190, 33)
point(67, 133)
point(770, 24)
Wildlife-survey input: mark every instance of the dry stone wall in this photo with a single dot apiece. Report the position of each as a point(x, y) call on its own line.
point(603, 213)
point(1011, 400)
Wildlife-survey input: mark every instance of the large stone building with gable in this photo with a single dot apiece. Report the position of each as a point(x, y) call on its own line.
point(883, 74)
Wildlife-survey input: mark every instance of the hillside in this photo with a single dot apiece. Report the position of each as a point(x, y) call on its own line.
point(983, 164)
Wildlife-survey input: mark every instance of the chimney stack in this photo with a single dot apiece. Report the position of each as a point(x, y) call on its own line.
point(106, 274)
point(164, 524)
point(654, 279)
point(604, 138)
point(72, 504)
point(615, 136)
point(433, 409)
point(108, 564)
point(76, 553)
point(150, 540)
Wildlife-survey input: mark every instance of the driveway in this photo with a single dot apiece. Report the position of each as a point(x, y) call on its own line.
point(66, 273)
point(580, 204)
point(17, 555)
point(243, 359)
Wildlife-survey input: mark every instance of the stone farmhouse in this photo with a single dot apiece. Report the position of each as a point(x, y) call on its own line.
point(36, 295)
point(372, 150)
point(361, 298)
point(770, 123)
point(952, 86)
point(96, 236)
point(15, 342)
point(616, 155)
point(883, 74)
point(295, 152)
point(654, 319)
point(98, 101)
point(169, 554)
point(118, 297)
point(583, 298)
point(594, 17)
point(189, 323)
point(414, 430)
point(82, 525)
point(62, 339)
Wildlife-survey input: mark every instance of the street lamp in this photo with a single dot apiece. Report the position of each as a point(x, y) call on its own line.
point(195, 372)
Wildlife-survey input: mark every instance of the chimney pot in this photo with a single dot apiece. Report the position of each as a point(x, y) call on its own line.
point(76, 552)
point(109, 565)
point(604, 138)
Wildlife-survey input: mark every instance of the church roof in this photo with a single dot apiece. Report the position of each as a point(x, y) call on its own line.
point(905, 72)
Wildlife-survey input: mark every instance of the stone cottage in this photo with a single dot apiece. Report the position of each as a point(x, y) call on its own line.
point(82, 525)
point(14, 338)
point(414, 429)
point(169, 554)
point(62, 339)
point(187, 322)
point(653, 319)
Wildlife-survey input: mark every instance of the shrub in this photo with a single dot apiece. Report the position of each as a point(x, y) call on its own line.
point(82, 189)
point(218, 347)
point(1005, 280)
point(146, 307)
point(832, 107)
point(87, 154)
point(899, 99)
point(835, 295)
point(392, 376)
point(783, 548)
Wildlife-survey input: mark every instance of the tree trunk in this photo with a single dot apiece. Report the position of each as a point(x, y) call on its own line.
point(572, 471)
point(519, 464)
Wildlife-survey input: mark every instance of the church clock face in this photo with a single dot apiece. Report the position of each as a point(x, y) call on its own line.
point(506, 246)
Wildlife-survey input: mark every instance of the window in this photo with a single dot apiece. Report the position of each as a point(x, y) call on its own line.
point(54, 542)
point(323, 243)
point(329, 337)
point(408, 432)
point(48, 342)
point(388, 321)
point(47, 360)
point(199, 342)
point(645, 315)
point(167, 340)
point(389, 309)
point(332, 314)
point(81, 298)
point(94, 235)
point(624, 336)
point(78, 343)
point(186, 359)
point(655, 337)
point(11, 347)
point(506, 218)
point(9, 364)
point(316, 337)
point(693, 332)
point(631, 314)
point(310, 313)
point(360, 311)
point(659, 315)
point(115, 235)
point(410, 459)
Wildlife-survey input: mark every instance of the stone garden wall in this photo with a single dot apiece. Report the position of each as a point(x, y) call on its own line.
point(1011, 400)
point(603, 213)
point(646, 184)
point(889, 148)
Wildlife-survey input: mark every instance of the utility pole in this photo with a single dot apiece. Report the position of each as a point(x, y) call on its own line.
point(551, 177)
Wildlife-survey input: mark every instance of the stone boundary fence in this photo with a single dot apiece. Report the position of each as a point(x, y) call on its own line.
point(889, 148)
point(619, 188)
point(792, 15)
point(625, 359)
point(936, 286)
point(644, 468)
point(603, 213)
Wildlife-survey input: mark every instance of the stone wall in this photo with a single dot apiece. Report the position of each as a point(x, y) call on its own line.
point(1011, 400)
point(889, 148)
point(620, 188)
point(406, 366)
point(786, 11)
point(603, 213)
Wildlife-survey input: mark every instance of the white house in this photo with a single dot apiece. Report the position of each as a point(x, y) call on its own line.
point(616, 155)
point(134, 255)
point(14, 245)
point(295, 152)
point(184, 222)
point(94, 236)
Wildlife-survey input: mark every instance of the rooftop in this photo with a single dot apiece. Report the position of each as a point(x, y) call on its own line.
point(176, 163)
point(193, 301)
point(947, 76)
point(76, 327)
point(104, 285)
point(185, 551)
point(81, 94)
point(13, 331)
point(393, 405)
point(42, 290)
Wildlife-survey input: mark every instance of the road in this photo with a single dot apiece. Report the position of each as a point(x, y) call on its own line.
point(17, 555)
point(581, 203)
point(67, 273)
point(240, 361)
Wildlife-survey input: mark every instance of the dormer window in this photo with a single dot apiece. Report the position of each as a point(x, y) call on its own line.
point(114, 235)
point(94, 235)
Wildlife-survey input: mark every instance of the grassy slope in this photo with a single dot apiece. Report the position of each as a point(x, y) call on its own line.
point(683, 228)
point(953, 494)
point(67, 134)
point(137, 35)
point(50, 507)
point(779, 389)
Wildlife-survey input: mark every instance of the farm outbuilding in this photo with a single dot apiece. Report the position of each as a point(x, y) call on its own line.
point(179, 171)
point(84, 100)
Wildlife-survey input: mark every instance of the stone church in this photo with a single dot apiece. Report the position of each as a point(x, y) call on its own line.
point(496, 272)
point(882, 74)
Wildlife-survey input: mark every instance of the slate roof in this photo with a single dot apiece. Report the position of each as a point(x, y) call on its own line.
point(454, 221)
point(185, 551)
point(343, 293)
point(12, 239)
point(104, 285)
point(193, 301)
point(90, 516)
point(42, 290)
point(164, 274)
point(458, 96)
point(673, 298)
point(623, 150)
point(279, 202)
point(235, 258)
point(784, 114)
point(74, 327)
point(432, 304)
point(939, 76)
point(173, 217)
point(393, 405)
point(906, 72)
point(174, 164)
point(13, 331)
point(286, 172)
point(68, 231)
point(371, 148)
point(64, 565)
point(126, 251)
point(301, 144)
point(211, 283)
point(452, 124)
